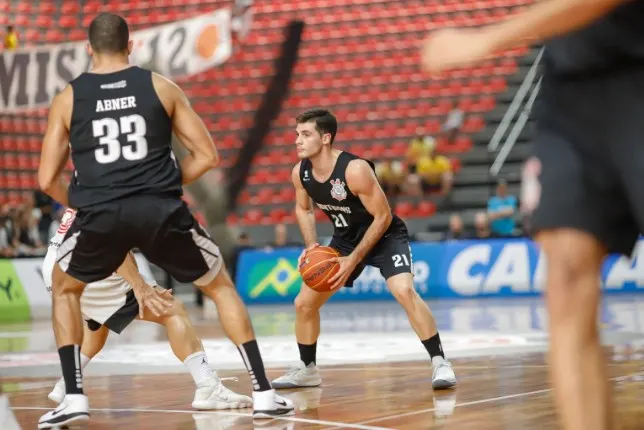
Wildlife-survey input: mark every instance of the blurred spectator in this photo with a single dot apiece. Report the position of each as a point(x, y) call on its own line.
point(46, 206)
point(391, 176)
point(452, 125)
point(419, 146)
point(281, 237)
point(5, 247)
point(501, 209)
point(456, 229)
point(435, 172)
point(482, 226)
point(10, 39)
point(26, 238)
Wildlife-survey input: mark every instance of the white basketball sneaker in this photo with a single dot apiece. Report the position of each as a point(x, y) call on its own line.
point(214, 395)
point(298, 377)
point(58, 393)
point(268, 404)
point(443, 376)
point(73, 409)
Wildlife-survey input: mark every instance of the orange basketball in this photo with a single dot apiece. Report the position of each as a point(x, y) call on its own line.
point(316, 269)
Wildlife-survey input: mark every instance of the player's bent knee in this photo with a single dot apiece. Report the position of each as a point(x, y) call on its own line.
point(309, 301)
point(402, 288)
point(404, 294)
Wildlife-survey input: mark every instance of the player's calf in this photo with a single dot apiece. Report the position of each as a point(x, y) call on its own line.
point(422, 320)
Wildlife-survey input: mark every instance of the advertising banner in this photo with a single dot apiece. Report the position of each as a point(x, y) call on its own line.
point(23, 294)
point(31, 77)
point(459, 269)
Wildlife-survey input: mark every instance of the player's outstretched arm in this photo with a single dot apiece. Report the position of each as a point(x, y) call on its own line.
point(189, 128)
point(55, 147)
point(148, 297)
point(304, 210)
point(545, 19)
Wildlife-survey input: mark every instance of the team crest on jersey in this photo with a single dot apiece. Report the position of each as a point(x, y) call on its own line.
point(338, 191)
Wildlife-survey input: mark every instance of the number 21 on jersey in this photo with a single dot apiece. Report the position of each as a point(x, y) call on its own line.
point(339, 220)
point(108, 131)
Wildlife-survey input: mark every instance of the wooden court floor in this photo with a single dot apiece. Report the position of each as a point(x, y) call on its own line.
point(506, 392)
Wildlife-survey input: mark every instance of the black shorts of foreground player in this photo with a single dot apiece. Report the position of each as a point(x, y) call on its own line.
point(117, 121)
point(365, 233)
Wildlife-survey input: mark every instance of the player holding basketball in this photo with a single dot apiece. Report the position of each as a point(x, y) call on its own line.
point(365, 233)
point(584, 188)
point(111, 304)
point(117, 121)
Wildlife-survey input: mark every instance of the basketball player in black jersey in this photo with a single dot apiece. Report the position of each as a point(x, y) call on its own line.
point(117, 121)
point(365, 233)
point(584, 187)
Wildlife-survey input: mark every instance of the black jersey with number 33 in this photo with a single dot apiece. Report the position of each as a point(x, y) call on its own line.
point(345, 210)
point(120, 139)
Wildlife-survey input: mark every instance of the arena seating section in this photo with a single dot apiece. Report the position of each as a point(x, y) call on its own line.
point(360, 58)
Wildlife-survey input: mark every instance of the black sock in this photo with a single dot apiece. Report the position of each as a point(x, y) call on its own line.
point(72, 371)
point(307, 353)
point(433, 346)
point(255, 366)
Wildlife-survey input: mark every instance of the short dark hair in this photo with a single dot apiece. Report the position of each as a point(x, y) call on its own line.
point(108, 33)
point(10, 28)
point(324, 120)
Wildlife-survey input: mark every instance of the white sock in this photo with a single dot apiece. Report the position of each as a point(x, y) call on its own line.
point(84, 360)
point(198, 367)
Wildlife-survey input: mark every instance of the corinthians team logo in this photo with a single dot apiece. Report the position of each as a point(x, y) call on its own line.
point(338, 191)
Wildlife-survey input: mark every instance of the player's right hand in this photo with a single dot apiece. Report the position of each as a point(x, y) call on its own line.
point(157, 300)
point(303, 254)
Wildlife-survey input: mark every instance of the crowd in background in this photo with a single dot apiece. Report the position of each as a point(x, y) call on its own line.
point(25, 228)
point(498, 221)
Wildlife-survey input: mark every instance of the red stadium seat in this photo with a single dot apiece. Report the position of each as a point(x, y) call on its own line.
point(426, 208)
point(43, 21)
point(69, 8)
point(68, 22)
point(92, 7)
point(46, 8)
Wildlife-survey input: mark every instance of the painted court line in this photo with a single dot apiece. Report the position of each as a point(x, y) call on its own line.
point(477, 402)
point(236, 414)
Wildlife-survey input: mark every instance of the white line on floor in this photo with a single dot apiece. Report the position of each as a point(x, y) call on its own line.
point(477, 402)
point(228, 413)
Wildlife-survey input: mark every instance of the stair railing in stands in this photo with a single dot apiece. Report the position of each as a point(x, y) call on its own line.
point(515, 105)
point(515, 132)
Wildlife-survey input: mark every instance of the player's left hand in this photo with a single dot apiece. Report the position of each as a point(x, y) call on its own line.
point(157, 300)
point(347, 266)
point(453, 48)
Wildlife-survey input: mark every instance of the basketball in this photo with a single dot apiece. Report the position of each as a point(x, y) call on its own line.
point(316, 269)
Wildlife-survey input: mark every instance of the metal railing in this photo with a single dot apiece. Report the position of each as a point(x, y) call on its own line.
point(507, 146)
point(515, 105)
point(515, 117)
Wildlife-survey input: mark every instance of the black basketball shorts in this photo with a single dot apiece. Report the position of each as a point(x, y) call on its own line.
point(391, 255)
point(589, 158)
point(162, 228)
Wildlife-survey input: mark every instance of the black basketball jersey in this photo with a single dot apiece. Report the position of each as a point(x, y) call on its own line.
point(613, 41)
point(345, 210)
point(120, 139)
